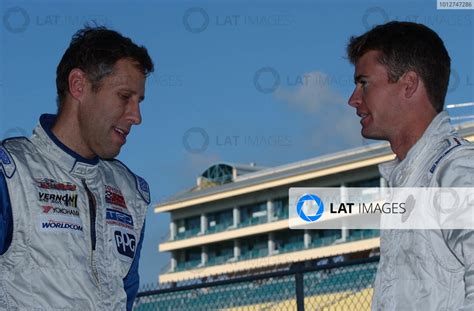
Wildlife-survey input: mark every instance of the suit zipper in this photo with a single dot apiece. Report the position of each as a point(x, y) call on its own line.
point(92, 218)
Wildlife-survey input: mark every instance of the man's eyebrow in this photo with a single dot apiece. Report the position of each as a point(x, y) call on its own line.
point(140, 99)
point(359, 77)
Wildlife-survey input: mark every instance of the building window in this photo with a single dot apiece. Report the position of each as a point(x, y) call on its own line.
point(254, 247)
point(289, 241)
point(253, 214)
point(280, 208)
point(219, 221)
point(327, 237)
point(219, 253)
point(188, 227)
point(190, 258)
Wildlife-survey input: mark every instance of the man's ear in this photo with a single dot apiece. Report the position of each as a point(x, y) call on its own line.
point(77, 81)
point(410, 82)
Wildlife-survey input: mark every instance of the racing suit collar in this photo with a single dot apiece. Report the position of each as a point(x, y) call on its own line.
point(438, 129)
point(55, 149)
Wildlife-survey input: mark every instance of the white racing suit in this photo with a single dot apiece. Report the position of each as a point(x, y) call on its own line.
point(70, 228)
point(428, 269)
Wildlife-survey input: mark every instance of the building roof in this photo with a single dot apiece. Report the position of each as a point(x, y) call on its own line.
point(376, 150)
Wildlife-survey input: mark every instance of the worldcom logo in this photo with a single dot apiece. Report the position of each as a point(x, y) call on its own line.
point(312, 198)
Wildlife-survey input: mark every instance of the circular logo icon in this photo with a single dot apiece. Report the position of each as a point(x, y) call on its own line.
point(16, 20)
point(275, 80)
point(315, 200)
point(381, 17)
point(195, 140)
point(454, 80)
point(192, 13)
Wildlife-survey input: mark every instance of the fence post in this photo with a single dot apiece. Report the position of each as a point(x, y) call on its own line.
point(299, 289)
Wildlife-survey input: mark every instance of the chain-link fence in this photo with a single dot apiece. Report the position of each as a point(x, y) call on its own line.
point(342, 286)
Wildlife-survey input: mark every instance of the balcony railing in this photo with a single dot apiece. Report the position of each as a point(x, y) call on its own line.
point(363, 234)
point(281, 214)
point(187, 233)
point(256, 253)
point(253, 221)
point(219, 259)
point(188, 265)
point(289, 247)
point(219, 227)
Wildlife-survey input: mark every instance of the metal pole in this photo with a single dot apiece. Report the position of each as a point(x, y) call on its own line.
point(299, 291)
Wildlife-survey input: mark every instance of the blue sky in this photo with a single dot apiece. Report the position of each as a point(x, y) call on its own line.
point(262, 81)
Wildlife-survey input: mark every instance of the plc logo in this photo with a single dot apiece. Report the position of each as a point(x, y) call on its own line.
point(310, 198)
point(125, 243)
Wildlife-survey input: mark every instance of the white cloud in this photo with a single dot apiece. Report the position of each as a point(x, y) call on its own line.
point(313, 93)
point(334, 124)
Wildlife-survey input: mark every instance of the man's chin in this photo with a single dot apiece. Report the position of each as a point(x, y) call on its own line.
point(370, 135)
point(109, 154)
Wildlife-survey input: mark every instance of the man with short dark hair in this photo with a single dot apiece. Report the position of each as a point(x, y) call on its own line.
point(401, 74)
point(71, 216)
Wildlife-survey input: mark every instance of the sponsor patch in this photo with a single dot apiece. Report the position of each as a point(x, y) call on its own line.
point(69, 200)
point(144, 189)
point(119, 218)
point(48, 209)
point(125, 243)
point(6, 163)
point(4, 157)
point(60, 224)
point(114, 196)
point(46, 183)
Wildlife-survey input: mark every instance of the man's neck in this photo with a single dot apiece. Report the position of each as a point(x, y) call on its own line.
point(65, 129)
point(408, 137)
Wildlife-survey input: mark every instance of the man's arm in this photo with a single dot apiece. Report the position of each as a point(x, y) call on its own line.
point(6, 219)
point(131, 282)
point(459, 172)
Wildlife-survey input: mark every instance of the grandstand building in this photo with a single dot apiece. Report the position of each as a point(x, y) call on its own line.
point(235, 221)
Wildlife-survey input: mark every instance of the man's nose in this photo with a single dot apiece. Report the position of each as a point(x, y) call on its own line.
point(355, 98)
point(134, 114)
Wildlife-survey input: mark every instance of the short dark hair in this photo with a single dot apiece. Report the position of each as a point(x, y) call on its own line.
point(95, 50)
point(407, 46)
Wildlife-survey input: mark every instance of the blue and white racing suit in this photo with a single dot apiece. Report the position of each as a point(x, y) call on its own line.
point(71, 229)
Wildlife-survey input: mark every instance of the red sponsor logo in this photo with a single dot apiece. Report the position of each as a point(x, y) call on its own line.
point(46, 183)
point(47, 209)
point(114, 196)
